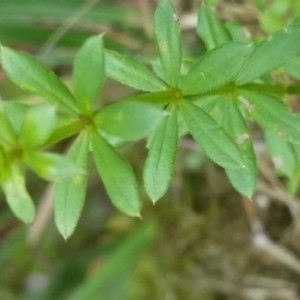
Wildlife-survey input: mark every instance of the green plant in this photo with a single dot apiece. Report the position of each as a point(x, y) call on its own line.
point(211, 98)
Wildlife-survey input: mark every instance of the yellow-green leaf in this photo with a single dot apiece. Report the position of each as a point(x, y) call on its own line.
point(31, 75)
point(16, 194)
point(38, 125)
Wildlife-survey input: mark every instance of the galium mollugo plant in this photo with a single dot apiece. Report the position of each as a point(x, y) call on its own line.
point(212, 98)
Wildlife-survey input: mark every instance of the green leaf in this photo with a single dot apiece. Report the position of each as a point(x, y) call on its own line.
point(282, 154)
point(273, 114)
point(293, 67)
point(238, 33)
point(31, 75)
point(7, 133)
point(52, 167)
point(15, 112)
point(213, 105)
point(69, 194)
point(88, 72)
point(117, 176)
point(16, 194)
point(275, 51)
point(168, 40)
point(216, 68)
point(38, 125)
point(159, 165)
point(243, 179)
point(212, 139)
point(129, 120)
point(158, 69)
point(210, 29)
point(131, 72)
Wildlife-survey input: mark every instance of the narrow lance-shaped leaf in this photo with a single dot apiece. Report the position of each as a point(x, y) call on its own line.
point(38, 125)
point(50, 166)
point(271, 54)
point(88, 72)
point(7, 133)
point(212, 139)
point(31, 75)
point(15, 112)
point(216, 68)
point(243, 179)
point(168, 40)
point(131, 72)
point(282, 153)
point(130, 120)
point(69, 194)
point(210, 29)
point(273, 114)
point(16, 194)
point(117, 176)
point(158, 69)
point(159, 165)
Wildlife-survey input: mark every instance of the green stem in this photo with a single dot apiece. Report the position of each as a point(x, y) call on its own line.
point(64, 132)
point(264, 88)
point(293, 89)
point(278, 90)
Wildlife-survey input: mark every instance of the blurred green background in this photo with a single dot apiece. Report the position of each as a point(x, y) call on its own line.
point(202, 240)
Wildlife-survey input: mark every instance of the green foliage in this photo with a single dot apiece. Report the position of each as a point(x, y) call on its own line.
point(131, 72)
point(128, 120)
point(205, 74)
point(212, 139)
point(18, 199)
point(88, 73)
point(168, 41)
point(273, 114)
point(271, 54)
point(69, 194)
point(282, 153)
point(210, 29)
point(33, 76)
point(212, 98)
point(159, 165)
point(117, 176)
point(38, 124)
point(244, 178)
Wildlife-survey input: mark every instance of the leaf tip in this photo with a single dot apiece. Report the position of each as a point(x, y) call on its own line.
point(2, 49)
point(138, 215)
point(154, 200)
point(65, 234)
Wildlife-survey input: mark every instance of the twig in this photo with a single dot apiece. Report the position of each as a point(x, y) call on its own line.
point(43, 217)
point(264, 243)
